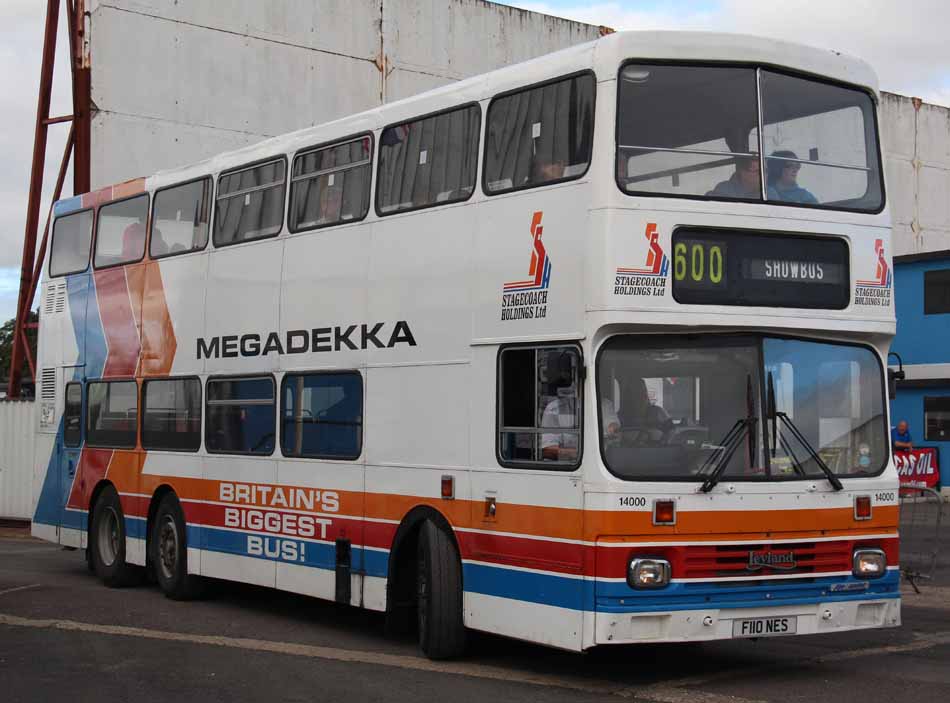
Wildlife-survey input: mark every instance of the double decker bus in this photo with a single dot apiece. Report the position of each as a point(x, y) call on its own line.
point(587, 350)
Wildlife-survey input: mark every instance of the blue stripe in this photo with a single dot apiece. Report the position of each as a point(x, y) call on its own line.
point(578, 594)
point(554, 590)
point(67, 205)
point(83, 307)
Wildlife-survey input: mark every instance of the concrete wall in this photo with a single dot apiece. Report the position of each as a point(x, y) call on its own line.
point(917, 163)
point(175, 82)
point(17, 430)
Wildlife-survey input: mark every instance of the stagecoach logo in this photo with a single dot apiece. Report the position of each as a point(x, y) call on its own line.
point(528, 299)
point(771, 560)
point(877, 291)
point(381, 335)
point(650, 280)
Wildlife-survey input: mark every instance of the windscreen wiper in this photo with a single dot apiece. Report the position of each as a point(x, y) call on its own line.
point(730, 443)
point(774, 415)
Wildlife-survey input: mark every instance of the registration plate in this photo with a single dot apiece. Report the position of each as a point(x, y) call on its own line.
point(764, 627)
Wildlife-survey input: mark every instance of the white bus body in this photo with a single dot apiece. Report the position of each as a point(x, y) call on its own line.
point(430, 309)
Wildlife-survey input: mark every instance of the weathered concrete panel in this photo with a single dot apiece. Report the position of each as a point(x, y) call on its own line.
point(934, 198)
point(898, 126)
point(901, 189)
point(933, 140)
point(350, 27)
point(181, 71)
point(460, 38)
point(243, 83)
point(917, 147)
point(150, 145)
point(905, 241)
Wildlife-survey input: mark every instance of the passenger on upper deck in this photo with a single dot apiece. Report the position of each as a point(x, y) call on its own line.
point(744, 183)
point(782, 181)
point(133, 241)
point(544, 169)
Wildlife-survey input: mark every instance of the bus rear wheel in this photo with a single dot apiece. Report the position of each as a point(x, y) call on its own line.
point(107, 542)
point(439, 594)
point(169, 552)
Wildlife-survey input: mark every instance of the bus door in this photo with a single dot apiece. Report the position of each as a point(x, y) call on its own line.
point(527, 513)
point(69, 451)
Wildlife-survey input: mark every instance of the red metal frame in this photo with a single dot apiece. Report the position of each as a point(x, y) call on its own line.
point(77, 145)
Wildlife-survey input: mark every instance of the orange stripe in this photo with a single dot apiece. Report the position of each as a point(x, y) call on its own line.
point(553, 523)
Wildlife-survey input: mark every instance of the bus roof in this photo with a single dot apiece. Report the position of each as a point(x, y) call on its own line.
point(603, 56)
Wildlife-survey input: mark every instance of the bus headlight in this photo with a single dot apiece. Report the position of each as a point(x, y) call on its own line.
point(648, 573)
point(869, 563)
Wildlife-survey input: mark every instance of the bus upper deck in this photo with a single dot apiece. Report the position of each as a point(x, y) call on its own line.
point(616, 312)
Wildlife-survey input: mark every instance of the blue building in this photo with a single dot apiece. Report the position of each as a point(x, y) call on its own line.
point(922, 300)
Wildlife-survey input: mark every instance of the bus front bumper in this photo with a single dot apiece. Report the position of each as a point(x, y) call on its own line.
point(728, 623)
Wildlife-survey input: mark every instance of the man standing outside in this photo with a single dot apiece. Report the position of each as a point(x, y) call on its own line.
point(900, 437)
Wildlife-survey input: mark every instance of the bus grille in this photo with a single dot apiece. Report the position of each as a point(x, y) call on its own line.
point(767, 559)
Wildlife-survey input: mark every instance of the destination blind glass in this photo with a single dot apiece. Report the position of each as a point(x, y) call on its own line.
point(720, 267)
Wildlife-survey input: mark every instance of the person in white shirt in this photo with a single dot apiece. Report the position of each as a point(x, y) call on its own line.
point(562, 413)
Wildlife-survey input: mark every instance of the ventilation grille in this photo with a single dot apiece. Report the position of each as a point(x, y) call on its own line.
point(60, 297)
point(48, 384)
point(55, 298)
point(50, 303)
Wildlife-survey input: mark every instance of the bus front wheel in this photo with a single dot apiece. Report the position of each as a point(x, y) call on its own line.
point(439, 594)
point(169, 546)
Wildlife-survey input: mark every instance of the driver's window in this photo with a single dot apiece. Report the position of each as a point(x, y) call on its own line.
point(240, 416)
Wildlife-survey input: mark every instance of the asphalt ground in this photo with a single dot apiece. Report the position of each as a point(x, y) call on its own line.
point(64, 636)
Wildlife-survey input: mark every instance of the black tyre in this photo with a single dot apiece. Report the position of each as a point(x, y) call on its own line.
point(168, 546)
point(107, 542)
point(439, 594)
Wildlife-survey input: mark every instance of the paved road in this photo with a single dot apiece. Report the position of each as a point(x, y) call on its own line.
point(63, 636)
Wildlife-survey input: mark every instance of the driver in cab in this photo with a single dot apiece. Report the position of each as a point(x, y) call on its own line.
point(646, 421)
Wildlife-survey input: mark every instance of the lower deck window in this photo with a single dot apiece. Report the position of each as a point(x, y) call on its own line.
point(322, 415)
point(240, 416)
point(171, 410)
point(112, 415)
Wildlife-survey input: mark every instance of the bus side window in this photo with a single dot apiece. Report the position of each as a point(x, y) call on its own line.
point(171, 414)
point(120, 231)
point(180, 218)
point(240, 416)
point(431, 161)
point(112, 414)
point(331, 185)
point(539, 406)
point(539, 135)
point(250, 203)
point(72, 235)
point(322, 415)
point(72, 415)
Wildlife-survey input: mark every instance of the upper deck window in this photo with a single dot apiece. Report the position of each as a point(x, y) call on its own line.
point(697, 131)
point(72, 235)
point(250, 203)
point(539, 135)
point(120, 231)
point(331, 185)
point(180, 218)
point(430, 161)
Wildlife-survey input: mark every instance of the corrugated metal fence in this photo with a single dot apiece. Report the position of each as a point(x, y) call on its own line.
point(17, 431)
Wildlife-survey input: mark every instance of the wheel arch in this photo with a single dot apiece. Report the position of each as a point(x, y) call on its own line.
point(97, 490)
point(156, 500)
point(400, 575)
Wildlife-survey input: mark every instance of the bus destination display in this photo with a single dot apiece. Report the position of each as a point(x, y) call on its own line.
point(722, 267)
